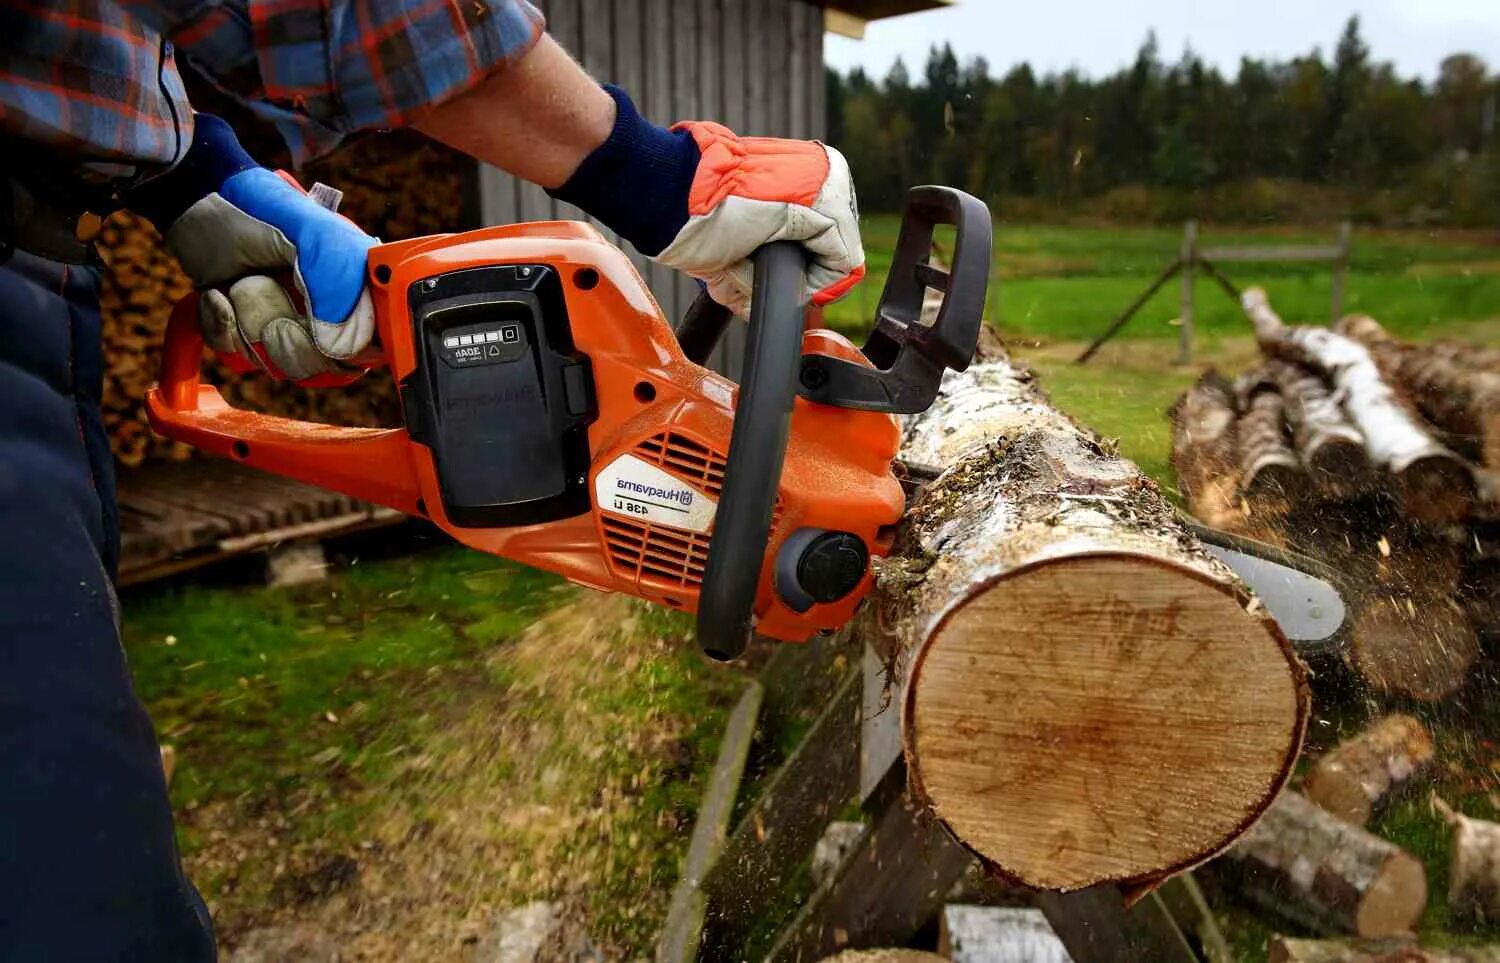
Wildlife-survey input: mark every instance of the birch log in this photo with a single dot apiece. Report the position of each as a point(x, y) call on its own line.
point(1462, 401)
point(1473, 864)
point(1354, 777)
point(1087, 696)
point(1287, 950)
point(1204, 452)
point(1323, 873)
point(1331, 448)
point(1434, 484)
point(1271, 475)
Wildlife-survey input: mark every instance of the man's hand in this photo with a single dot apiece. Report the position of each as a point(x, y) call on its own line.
point(750, 191)
point(701, 199)
point(282, 278)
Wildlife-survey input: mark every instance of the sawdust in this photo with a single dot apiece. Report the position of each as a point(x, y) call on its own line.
point(533, 785)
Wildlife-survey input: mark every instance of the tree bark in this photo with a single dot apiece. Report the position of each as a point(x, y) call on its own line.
point(1284, 949)
point(1271, 475)
point(1204, 452)
point(1462, 401)
point(1323, 873)
point(1331, 448)
point(1473, 865)
point(1087, 696)
point(1433, 483)
point(1356, 776)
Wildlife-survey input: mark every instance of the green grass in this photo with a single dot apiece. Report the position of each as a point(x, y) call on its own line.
point(1070, 282)
point(414, 706)
point(242, 678)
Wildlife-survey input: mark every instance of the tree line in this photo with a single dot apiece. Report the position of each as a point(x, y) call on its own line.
point(1306, 138)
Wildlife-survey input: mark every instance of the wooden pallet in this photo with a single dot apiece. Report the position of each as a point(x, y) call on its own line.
point(179, 516)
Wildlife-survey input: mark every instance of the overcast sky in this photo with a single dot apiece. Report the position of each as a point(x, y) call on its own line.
point(1099, 36)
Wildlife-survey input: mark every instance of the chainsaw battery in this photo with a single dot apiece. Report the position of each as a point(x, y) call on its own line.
point(500, 395)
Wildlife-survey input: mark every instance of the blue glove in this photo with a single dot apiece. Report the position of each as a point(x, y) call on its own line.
point(232, 224)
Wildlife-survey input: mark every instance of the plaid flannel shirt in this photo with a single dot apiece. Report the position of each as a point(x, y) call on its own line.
point(98, 78)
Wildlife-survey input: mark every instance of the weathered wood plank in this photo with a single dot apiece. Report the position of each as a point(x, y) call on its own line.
point(781, 827)
point(1272, 252)
point(890, 884)
point(1184, 900)
point(1096, 927)
point(797, 97)
point(684, 926)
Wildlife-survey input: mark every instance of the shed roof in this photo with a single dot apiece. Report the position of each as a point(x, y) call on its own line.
point(879, 9)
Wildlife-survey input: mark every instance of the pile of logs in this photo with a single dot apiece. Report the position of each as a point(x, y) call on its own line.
point(395, 186)
point(1375, 456)
point(1314, 862)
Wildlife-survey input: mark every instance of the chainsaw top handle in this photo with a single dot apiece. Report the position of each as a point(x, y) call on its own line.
point(907, 356)
point(757, 450)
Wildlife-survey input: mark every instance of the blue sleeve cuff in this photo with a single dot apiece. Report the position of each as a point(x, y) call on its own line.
point(214, 156)
point(637, 182)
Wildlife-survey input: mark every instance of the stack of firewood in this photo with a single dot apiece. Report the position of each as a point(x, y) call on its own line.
point(1314, 861)
point(1375, 456)
point(395, 186)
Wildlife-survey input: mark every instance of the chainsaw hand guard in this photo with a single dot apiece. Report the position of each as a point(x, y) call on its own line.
point(909, 357)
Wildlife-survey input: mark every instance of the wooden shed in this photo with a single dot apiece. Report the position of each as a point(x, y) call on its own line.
point(755, 65)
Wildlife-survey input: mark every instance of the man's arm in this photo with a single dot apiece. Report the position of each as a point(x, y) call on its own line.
point(538, 118)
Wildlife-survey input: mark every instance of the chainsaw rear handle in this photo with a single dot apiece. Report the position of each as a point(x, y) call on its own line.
point(371, 464)
point(757, 451)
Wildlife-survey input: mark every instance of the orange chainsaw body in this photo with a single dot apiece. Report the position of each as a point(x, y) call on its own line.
point(657, 429)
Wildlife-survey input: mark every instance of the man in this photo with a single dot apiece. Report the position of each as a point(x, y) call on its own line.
point(93, 116)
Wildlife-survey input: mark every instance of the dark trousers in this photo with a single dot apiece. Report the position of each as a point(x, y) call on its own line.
point(89, 869)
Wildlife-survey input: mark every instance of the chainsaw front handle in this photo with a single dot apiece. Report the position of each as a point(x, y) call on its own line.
point(372, 464)
point(757, 451)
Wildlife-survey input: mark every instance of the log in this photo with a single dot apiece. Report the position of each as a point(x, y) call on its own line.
point(1087, 696)
point(981, 934)
point(1204, 452)
point(1464, 402)
point(1285, 949)
point(1331, 449)
point(1271, 475)
point(1473, 864)
point(1359, 774)
point(1321, 872)
point(1433, 483)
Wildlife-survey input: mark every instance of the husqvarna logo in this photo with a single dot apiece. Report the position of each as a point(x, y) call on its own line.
point(635, 489)
point(682, 496)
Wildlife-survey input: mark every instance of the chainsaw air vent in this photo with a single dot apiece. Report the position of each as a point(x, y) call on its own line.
point(698, 465)
point(669, 556)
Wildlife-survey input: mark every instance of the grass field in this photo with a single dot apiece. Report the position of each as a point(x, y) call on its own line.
point(403, 750)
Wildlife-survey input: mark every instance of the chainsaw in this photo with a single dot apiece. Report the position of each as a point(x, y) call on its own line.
point(552, 416)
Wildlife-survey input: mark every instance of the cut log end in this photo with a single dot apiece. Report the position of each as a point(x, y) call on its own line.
point(1104, 659)
point(1421, 648)
point(1396, 898)
point(1437, 489)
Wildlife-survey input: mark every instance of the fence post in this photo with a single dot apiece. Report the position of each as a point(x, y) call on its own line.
point(1185, 313)
point(1340, 266)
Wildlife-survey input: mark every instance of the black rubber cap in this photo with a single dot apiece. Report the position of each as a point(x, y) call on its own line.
point(832, 565)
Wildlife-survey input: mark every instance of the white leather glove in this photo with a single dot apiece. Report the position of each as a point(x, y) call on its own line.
point(750, 191)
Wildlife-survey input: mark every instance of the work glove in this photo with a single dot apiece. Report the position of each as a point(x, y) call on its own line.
point(282, 277)
point(701, 199)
